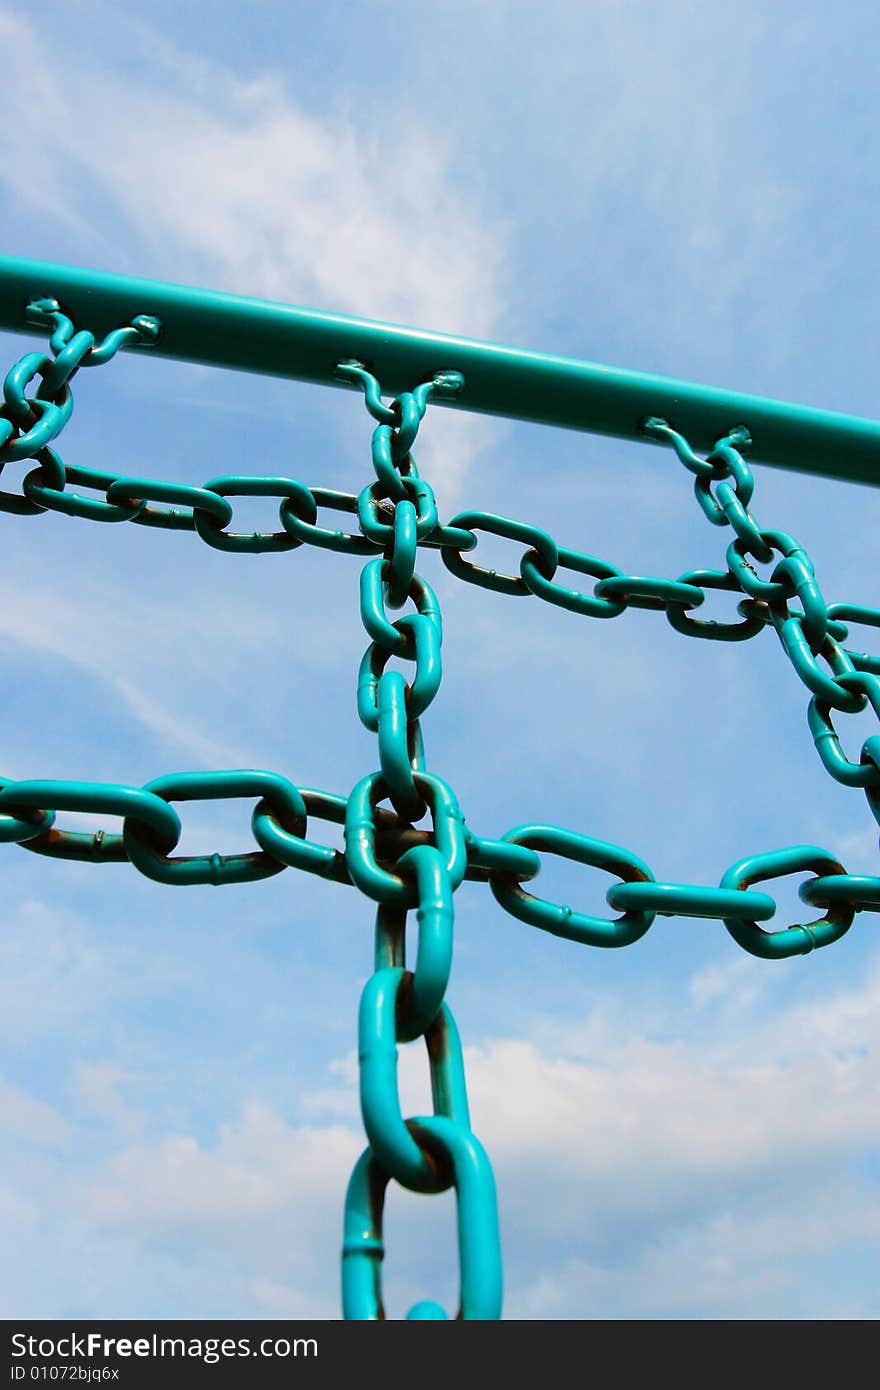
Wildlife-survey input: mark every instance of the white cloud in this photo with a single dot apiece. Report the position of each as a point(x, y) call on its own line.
point(235, 176)
point(97, 1087)
point(261, 1170)
point(233, 184)
point(29, 1119)
point(637, 1177)
point(266, 1196)
point(654, 1125)
point(744, 1261)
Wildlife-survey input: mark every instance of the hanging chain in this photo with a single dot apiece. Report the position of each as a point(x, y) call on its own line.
point(28, 424)
point(429, 1153)
point(809, 630)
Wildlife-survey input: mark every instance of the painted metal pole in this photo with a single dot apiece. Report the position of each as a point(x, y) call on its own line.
point(281, 340)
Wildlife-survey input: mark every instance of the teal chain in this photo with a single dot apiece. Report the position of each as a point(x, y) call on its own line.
point(207, 511)
point(429, 1153)
point(28, 424)
point(151, 831)
point(401, 867)
point(791, 600)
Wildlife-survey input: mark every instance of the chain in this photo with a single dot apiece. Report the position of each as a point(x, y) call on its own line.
point(28, 424)
point(401, 867)
point(429, 1153)
point(809, 630)
point(207, 511)
point(380, 839)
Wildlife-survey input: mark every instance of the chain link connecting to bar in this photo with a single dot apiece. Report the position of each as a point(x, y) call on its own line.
point(402, 868)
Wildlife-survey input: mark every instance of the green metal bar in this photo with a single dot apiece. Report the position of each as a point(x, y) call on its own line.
point(281, 340)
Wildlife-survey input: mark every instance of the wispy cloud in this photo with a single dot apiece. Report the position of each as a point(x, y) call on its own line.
point(98, 1087)
point(118, 656)
point(233, 184)
point(30, 1120)
point(236, 179)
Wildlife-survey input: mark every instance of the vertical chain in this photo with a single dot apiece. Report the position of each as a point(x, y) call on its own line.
point(428, 1153)
point(808, 631)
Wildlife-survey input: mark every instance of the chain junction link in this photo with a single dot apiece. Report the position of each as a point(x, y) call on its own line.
point(404, 869)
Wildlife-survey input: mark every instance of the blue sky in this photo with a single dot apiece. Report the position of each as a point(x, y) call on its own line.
point(677, 1129)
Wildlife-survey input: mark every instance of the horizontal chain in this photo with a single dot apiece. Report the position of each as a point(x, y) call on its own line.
point(377, 840)
point(206, 511)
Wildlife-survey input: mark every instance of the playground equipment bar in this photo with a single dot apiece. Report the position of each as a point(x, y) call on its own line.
point(282, 340)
